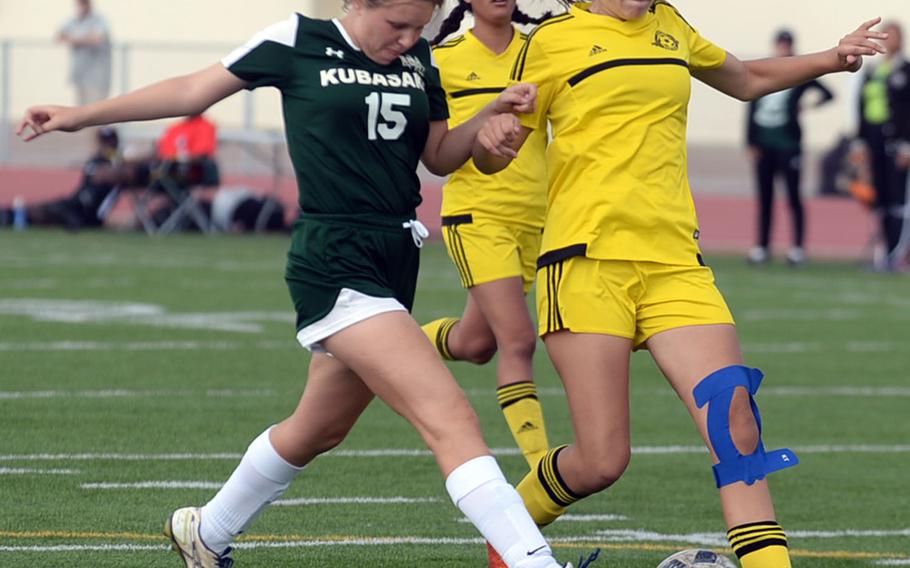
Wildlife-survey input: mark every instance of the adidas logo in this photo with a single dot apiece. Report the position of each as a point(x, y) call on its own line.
point(473, 77)
point(527, 427)
point(596, 50)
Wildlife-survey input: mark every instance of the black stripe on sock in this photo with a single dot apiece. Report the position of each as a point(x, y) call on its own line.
point(755, 546)
point(767, 524)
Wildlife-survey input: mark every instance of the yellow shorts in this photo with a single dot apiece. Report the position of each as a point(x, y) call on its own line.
point(626, 298)
point(485, 250)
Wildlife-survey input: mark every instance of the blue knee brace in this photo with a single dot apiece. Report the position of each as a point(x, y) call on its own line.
point(717, 389)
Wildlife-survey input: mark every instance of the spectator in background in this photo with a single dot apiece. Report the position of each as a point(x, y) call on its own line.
point(88, 36)
point(187, 145)
point(192, 138)
point(885, 131)
point(775, 144)
point(88, 206)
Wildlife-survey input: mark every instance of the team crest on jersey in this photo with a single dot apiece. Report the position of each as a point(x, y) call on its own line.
point(413, 62)
point(666, 41)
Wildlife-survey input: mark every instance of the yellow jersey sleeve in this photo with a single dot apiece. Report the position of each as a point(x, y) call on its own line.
point(703, 54)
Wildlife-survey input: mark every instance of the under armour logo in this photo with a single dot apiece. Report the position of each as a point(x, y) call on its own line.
point(334, 53)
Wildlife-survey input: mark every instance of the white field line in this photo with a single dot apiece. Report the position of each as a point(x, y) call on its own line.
point(281, 502)
point(118, 457)
point(720, 539)
point(154, 485)
point(390, 541)
point(795, 347)
point(851, 391)
point(30, 471)
point(793, 390)
point(418, 453)
point(355, 501)
point(814, 347)
point(127, 260)
point(894, 562)
point(849, 533)
point(612, 536)
point(811, 315)
point(133, 346)
point(837, 391)
point(93, 311)
point(382, 541)
point(87, 548)
point(570, 518)
point(125, 393)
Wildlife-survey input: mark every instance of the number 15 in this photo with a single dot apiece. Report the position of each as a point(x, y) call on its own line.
point(393, 121)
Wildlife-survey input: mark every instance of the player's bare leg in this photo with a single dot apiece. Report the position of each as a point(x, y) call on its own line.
point(686, 356)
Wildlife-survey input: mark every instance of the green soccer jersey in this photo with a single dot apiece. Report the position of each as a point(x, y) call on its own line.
point(355, 129)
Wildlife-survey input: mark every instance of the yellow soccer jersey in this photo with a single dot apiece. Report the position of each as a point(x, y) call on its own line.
point(472, 77)
point(616, 94)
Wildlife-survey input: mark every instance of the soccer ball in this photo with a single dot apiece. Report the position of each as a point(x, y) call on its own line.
point(696, 558)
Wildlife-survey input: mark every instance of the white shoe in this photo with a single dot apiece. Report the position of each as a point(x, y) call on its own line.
point(182, 527)
point(796, 256)
point(758, 255)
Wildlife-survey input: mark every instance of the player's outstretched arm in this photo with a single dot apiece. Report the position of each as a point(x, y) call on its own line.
point(447, 150)
point(179, 96)
point(749, 80)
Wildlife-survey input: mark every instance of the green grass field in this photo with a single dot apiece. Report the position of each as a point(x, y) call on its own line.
point(134, 372)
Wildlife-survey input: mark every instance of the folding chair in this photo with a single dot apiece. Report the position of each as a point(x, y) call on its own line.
point(169, 202)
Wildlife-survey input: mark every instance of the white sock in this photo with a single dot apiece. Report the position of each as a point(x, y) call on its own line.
point(480, 490)
point(261, 477)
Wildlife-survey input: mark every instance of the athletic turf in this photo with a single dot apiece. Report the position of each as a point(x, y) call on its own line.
point(119, 352)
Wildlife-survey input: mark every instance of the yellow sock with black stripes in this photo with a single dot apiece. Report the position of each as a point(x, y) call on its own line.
point(543, 491)
point(760, 545)
point(524, 415)
point(438, 332)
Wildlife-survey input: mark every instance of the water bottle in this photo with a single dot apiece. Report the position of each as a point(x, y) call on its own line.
point(20, 217)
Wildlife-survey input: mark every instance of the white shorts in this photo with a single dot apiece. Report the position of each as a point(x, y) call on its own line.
point(351, 307)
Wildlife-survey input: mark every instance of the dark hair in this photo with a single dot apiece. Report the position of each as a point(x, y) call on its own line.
point(453, 21)
point(376, 3)
point(784, 36)
point(107, 135)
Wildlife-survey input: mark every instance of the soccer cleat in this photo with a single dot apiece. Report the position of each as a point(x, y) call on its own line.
point(182, 527)
point(585, 562)
point(494, 560)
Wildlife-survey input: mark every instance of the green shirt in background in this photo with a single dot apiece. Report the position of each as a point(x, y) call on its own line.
point(875, 95)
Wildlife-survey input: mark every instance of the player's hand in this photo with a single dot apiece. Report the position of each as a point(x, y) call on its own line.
point(498, 134)
point(754, 153)
point(40, 120)
point(853, 46)
point(517, 99)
